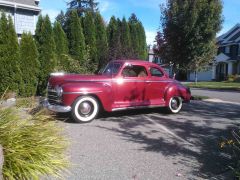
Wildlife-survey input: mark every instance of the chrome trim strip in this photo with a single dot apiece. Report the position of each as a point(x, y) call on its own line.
point(137, 107)
point(56, 108)
point(52, 90)
point(72, 80)
point(82, 92)
point(158, 81)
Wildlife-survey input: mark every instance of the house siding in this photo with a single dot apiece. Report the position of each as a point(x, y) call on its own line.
point(24, 19)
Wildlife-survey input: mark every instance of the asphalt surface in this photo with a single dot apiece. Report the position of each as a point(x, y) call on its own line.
point(225, 95)
point(149, 144)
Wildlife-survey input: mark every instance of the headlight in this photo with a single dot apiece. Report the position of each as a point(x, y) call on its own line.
point(59, 91)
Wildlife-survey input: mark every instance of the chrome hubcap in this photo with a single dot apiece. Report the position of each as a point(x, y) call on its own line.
point(174, 103)
point(85, 108)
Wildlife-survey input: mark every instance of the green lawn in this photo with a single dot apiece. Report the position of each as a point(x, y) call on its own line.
point(216, 85)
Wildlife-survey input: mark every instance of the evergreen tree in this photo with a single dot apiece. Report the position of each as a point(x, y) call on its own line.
point(60, 38)
point(134, 33)
point(29, 65)
point(10, 74)
point(113, 38)
point(125, 40)
point(61, 43)
point(142, 42)
point(76, 40)
point(46, 48)
point(101, 41)
point(61, 18)
point(83, 6)
point(89, 30)
point(189, 31)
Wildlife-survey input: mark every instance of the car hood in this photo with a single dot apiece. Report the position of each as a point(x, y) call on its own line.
point(65, 78)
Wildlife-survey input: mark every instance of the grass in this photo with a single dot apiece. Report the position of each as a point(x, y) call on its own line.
point(216, 85)
point(28, 102)
point(33, 147)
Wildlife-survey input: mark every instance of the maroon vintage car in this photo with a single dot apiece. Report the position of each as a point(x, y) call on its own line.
point(123, 84)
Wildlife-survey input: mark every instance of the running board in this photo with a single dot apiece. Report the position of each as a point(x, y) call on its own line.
point(137, 107)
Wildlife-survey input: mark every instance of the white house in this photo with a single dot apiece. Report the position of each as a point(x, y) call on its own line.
point(227, 61)
point(24, 14)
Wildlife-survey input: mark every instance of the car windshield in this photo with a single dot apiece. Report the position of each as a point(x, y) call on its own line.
point(112, 68)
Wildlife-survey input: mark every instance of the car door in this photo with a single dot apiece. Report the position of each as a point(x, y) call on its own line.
point(155, 86)
point(129, 87)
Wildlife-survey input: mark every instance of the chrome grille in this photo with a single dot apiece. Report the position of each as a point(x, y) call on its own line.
point(52, 97)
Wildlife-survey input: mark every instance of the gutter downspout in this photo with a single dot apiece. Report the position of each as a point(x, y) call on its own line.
point(15, 17)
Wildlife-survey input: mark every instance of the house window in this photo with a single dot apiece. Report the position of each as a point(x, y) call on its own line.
point(239, 50)
point(227, 49)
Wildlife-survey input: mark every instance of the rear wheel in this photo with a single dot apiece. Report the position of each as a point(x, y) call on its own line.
point(175, 104)
point(85, 109)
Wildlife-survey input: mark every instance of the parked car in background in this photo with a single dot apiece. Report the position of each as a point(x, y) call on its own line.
point(123, 84)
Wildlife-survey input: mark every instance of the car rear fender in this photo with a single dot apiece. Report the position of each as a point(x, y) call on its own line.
point(174, 90)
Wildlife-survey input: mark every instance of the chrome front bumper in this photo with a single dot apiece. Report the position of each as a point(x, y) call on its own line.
point(56, 108)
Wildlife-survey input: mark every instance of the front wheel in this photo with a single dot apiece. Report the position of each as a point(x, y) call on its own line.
point(175, 105)
point(85, 109)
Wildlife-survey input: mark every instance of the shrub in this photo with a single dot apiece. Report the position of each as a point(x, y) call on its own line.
point(237, 78)
point(33, 146)
point(232, 146)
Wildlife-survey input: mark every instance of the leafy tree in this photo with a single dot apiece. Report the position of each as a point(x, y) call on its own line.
point(61, 42)
point(189, 31)
point(89, 30)
point(125, 39)
point(10, 74)
point(83, 6)
point(46, 48)
point(29, 64)
point(77, 47)
point(101, 41)
point(114, 39)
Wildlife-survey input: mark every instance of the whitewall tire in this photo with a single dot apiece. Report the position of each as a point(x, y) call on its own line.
point(175, 104)
point(85, 109)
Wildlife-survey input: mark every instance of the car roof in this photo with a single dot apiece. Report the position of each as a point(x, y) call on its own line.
point(135, 62)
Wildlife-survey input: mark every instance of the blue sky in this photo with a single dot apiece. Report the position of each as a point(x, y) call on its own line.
point(146, 10)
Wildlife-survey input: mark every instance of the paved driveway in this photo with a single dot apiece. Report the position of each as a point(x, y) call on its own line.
point(149, 144)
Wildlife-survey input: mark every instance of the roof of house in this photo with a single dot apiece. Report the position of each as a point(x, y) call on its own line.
point(24, 4)
point(230, 37)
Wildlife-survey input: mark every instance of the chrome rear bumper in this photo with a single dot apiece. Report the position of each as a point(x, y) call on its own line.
point(56, 108)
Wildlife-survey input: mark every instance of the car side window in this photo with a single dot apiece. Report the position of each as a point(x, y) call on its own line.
point(156, 72)
point(134, 71)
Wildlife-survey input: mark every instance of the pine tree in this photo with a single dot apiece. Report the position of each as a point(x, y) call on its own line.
point(89, 30)
point(113, 39)
point(46, 48)
point(101, 41)
point(125, 40)
point(83, 6)
point(61, 18)
point(10, 74)
point(61, 43)
point(77, 48)
point(29, 64)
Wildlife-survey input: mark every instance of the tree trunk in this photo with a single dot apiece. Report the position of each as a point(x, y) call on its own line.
point(1, 162)
point(196, 77)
